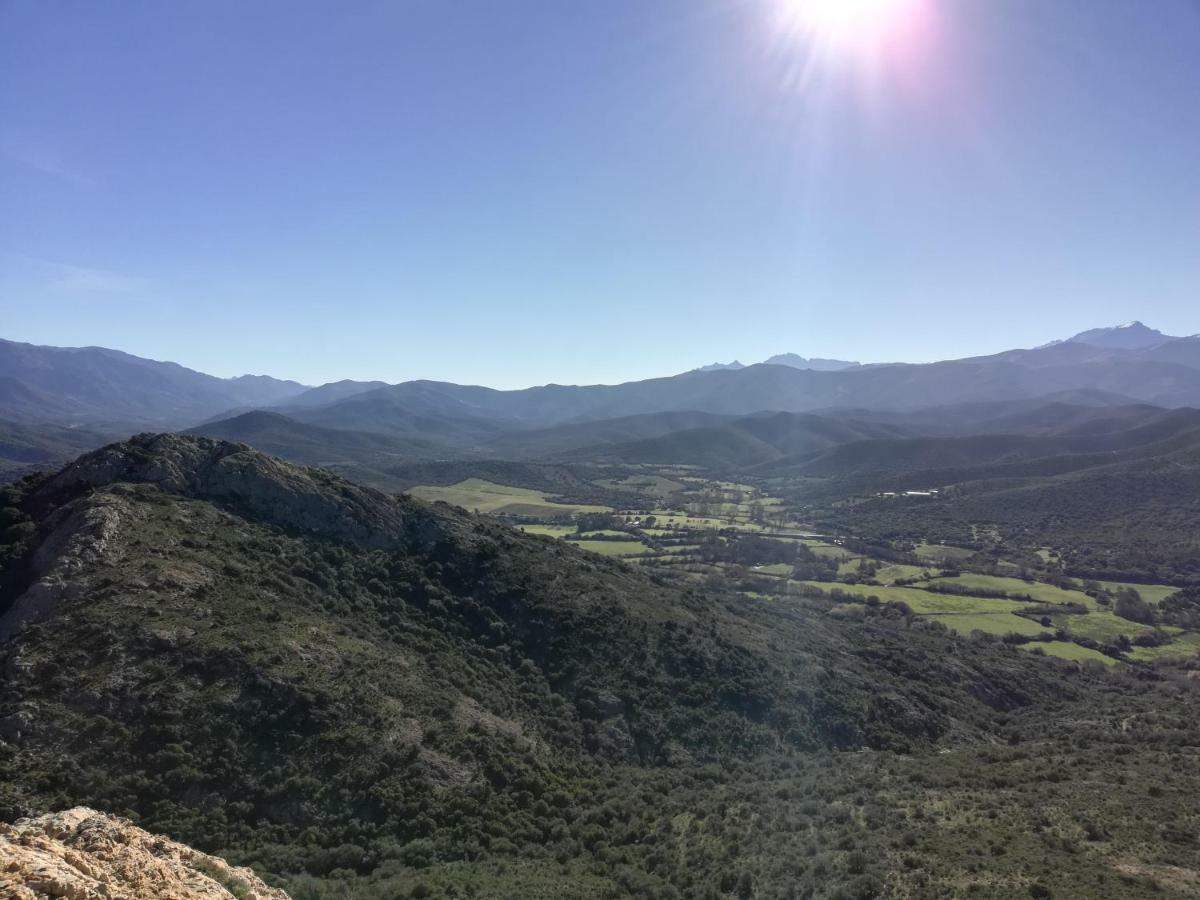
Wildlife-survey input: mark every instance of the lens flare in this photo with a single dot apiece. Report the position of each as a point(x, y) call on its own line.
point(850, 26)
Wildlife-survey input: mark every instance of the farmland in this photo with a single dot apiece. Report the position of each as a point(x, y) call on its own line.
point(478, 495)
point(688, 526)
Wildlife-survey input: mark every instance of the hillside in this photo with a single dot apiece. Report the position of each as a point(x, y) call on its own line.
point(363, 456)
point(339, 687)
point(742, 443)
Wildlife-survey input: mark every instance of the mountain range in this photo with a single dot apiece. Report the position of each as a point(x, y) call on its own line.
point(57, 401)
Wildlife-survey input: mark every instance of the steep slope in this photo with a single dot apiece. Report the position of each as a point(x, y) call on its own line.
point(84, 854)
point(311, 676)
point(100, 386)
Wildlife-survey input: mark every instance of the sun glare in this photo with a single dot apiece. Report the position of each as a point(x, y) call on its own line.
point(846, 25)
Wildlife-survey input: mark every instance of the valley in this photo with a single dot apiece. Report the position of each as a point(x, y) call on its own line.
point(435, 653)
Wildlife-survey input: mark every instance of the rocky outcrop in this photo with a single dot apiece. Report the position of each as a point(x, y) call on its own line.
point(81, 854)
point(78, 541)
point(301, 499)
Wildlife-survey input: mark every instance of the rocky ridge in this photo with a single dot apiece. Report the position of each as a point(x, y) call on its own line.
point(81, 854)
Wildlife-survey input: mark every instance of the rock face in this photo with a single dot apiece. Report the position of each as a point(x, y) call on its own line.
point(230, 474)
point(81, 854)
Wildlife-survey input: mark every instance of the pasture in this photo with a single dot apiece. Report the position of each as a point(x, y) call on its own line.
point(1042, 593)
point(1067, 650)
point(478, 495)
point(613, 548)
point(1151, 593)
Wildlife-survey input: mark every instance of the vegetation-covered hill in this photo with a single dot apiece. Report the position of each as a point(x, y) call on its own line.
point(339, 687)
point(742, 443)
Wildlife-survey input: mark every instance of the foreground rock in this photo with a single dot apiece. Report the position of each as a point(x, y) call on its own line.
point(81, 854)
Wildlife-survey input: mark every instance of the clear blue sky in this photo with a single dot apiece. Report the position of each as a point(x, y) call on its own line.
point(512, 192)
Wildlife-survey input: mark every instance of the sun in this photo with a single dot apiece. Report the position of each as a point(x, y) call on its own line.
point(845, 25)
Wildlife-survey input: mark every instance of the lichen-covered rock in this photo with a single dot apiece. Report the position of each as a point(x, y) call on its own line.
point(81, 854)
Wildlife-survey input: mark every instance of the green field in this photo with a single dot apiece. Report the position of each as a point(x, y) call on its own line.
point(1099, 625)
point(653, 485)
point(478, 495)
point(940, 552)
point(890, 573)
point(923, 602)
point(1151, 593)
point(613, 548)
point(1181, 646)
point(666, 518)
point(999, 623)
point(549, 530)
point(1042, 593)
point(1067, 650)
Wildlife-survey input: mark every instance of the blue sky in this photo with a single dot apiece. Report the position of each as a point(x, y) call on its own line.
point(521, 192)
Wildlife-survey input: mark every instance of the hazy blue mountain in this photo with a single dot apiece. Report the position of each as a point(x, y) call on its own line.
point(717, 367)
point(743, 442)
point(1131, 336)
point(100, 386)
point(546, 442)
point(110, 390)
point(816, 363)
point(334, 391)
point(24, 447)
point(1018, 375)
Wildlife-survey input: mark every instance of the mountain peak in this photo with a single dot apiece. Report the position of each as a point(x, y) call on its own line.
point(816, 364)
point(1131, 336)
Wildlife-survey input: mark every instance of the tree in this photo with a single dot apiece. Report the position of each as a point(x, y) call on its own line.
point(1131, 606)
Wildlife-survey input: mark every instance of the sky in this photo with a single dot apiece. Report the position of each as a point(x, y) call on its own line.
point(532, 191)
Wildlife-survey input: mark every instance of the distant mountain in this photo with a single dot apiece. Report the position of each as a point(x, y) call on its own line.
point(816, 364)
point(786, 359)
point(356, 454)
point(1135, 433)
point(1131, 336)
point(744, 442)
point(23, 446)
point(334, 391)
point(101, 387)
point(21, 403)
point(559, 439)
point(1010, 376)
point(111, 391)
point(413, 410)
